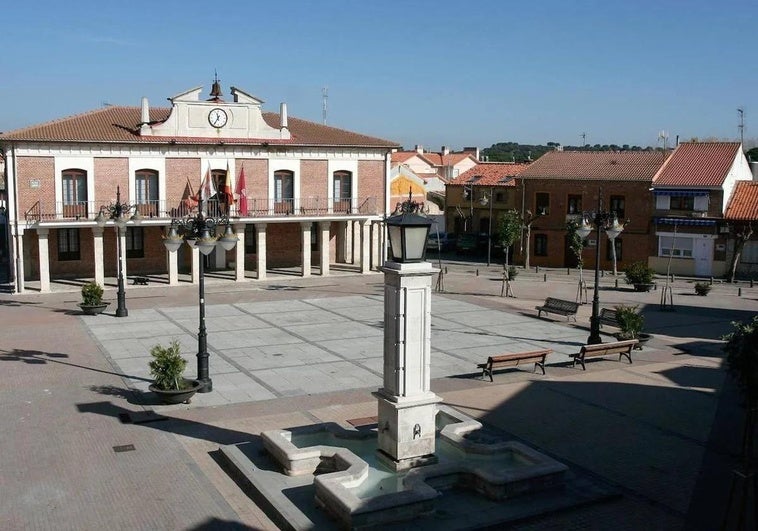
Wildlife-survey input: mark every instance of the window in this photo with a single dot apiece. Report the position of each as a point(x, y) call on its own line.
point(542, 203)
point(682, 203)
point(342, 188)
point(540, 245)
point(609, 254)
point(314, 236)
point(251, 240)
point(681, 248)
point(574, 204)
point(68, 244)
point(749, 253)
point(74, 184)
point(617, 206)
point(135, 246)
point(501, 197)
point(284, 191)
point(146, 192)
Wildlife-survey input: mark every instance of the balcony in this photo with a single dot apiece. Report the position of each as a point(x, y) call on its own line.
point(256, 208)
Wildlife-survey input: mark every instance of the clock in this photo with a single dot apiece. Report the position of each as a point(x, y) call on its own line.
point(217, 117)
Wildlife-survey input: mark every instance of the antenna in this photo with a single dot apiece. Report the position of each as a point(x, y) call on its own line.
point(741, 127)
point(584, 139)
point(324, 97)
point(664, 136)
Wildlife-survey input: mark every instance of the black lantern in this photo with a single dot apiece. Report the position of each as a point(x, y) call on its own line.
point(408, 232)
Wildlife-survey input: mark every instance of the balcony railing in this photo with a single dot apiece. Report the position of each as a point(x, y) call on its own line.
point(256, 208)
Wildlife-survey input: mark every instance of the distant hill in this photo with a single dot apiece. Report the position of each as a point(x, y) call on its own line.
point(515, 152)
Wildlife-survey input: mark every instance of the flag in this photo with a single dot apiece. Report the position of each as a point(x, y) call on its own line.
point(207, 188)
point(228, 193)
point(189, 198)
point(242, 193)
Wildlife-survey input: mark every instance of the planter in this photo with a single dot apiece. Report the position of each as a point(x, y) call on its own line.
point(642, 338)
point(643, 287)
point(177, 396)
point(93, 309)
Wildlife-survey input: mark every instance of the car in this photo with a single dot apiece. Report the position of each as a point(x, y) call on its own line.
point(444, 241)
point(465, 243)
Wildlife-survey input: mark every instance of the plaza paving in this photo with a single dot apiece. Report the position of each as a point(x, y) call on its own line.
point(664, 431)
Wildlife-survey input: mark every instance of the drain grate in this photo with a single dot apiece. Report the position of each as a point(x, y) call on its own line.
point(124, 448)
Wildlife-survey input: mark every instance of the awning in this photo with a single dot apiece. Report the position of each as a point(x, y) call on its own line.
point(685, 221)
point(680, 193)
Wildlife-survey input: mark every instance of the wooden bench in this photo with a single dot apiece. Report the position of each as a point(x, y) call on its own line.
point(608, 317)
point(512, 360)
point(559, 306)
point(139, 280)
point(622, 348)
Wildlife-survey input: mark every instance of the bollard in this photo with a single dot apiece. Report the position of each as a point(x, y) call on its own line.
point(602, 273)
point(751, 282)
point(711, 281)
point(536, 269)
point(446, 270)
point(544, 277)
point(477, 272)
point(616, 283)
point(568, 271)
point(739, 292)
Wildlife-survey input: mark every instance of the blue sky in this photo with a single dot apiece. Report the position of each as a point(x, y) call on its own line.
point(417, 72)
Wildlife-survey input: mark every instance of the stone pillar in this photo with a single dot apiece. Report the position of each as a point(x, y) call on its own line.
point(406, 405)
point(323, 245)
point(172, 260)
point(19, 256)
point(365, 244)
point(44, 259)
point(260, 247)
point(97, 244)
point(219, 257)
point(196, 265)
point(341, 242)
point(305, 259)
point(239, 252)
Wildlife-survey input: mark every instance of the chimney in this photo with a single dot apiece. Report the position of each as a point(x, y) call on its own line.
point(445, 150)
point(145, 114)
point(419, 148)
point(283, 116)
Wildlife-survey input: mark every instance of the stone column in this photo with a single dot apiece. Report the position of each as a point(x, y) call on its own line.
point(305, 259)
point(239, 254)
point(365, 243)
point(260, 247)
point(97, 243)
point(341, 242)
point(323, 244)
point(18, 240)
point(172, 260)
point(406, 405)
point(44, 259)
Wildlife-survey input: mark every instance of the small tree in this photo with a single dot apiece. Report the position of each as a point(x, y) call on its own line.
point(508, 231)
point(739, 243)
point(576, 245)
point(529, 218)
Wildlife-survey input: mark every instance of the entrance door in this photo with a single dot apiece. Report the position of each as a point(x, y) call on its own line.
point(703, 255)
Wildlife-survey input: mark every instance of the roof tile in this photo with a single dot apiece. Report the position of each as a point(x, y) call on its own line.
point(743, 205)
point(492, 174)
point(595, 165)
point(696, 164)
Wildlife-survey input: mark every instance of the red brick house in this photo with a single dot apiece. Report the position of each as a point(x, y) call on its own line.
point(315, 195)
point(564, 185)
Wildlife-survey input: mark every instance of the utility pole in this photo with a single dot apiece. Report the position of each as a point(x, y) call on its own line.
point(741, 127)
point(584, 139)
point(324, 97)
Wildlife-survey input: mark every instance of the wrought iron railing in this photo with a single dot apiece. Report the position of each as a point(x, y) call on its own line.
point(256, 208)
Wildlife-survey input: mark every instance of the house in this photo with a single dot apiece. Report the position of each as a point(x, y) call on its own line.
point(571, 185)
point(691, 191)
point(445, 164)
point(313, 195)
point(742, 217)
point(479, 196)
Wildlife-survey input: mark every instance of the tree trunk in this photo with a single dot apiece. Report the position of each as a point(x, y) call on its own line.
point(526, 247)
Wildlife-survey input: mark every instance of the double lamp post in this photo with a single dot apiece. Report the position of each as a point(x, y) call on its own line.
point(602, 221)
point(199, 231)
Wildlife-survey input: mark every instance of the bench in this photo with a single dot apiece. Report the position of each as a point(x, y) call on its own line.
point(559, 306)
point(139, 280)
point(622, 348)
point(608, 317)
point(512, 360)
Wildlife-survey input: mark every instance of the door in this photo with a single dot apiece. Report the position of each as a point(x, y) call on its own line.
point(703, 256)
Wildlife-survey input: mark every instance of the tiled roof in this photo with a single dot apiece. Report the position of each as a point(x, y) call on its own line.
point(438, 159)
point(696, 164)
point(492, 174)
point(119, 124)
point(398, 157)
point(596, 165)
point(743, 205)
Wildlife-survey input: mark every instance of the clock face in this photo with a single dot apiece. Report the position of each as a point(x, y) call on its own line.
point(217, 117)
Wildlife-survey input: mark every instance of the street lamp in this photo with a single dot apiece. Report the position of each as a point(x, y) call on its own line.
point(200, 231)
point(118, 213)
point(408, 232)
point(606, 221)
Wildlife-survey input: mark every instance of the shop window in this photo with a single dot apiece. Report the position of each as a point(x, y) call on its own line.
point(679, 247)
point(135, 242)
point(68, 245)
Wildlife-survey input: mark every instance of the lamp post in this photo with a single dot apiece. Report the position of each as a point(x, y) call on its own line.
point(118, 212)
point(606, 221)
point(200, 231)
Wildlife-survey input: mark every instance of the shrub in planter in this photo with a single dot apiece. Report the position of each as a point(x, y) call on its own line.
point(630, 321)
point(92, 294)
point(702, 288)
point(639, 273)
point(167, 367)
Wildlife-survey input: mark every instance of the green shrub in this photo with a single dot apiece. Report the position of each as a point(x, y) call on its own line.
point(92, 294)
point(639, 273)
point(742, 357)
point(512, 272)
point(702, 288)
point(167, 366)
point(630, 321)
